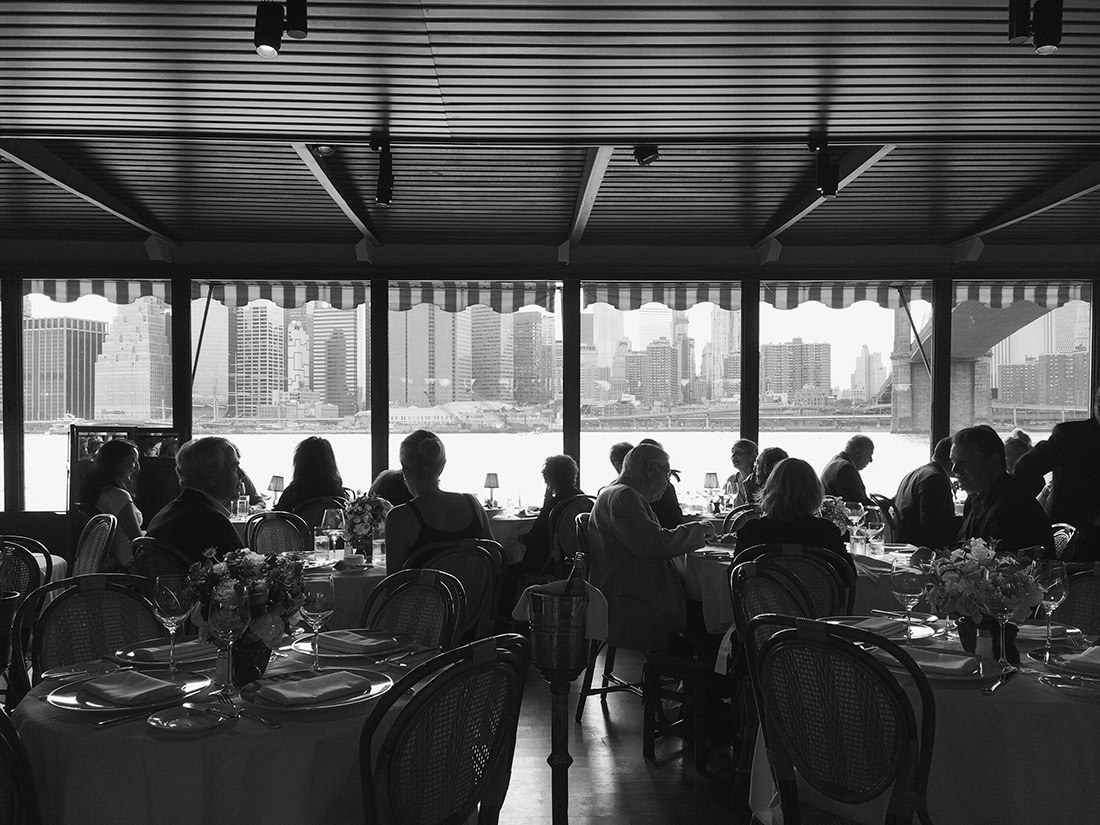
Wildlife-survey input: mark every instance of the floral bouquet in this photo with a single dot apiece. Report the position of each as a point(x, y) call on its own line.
point(832, 509)
point(272, 585)
point(974, 578)
point(362, 517)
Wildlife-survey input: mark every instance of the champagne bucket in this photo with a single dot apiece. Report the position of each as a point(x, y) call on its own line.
point(557, 631)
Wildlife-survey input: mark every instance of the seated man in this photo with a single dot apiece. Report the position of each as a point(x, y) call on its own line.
point(632, 561)
point(841, 476)
point(197, 518)
point(926, 509)
point(998, 508)
point(667, 507)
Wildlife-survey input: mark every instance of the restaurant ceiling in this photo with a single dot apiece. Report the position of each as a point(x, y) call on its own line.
point(512, 126)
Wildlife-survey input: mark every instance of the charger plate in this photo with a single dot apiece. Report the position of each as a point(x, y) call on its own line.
point(72, 696)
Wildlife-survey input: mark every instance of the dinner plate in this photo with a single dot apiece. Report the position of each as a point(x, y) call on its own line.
point(183, 723)
point(725, 555)
point(1079, 688)
point(1062, 659)
point(304, 644)
point(1064, 635)
point(920, 631)
point(89, 669)
point(379, 684)
point(127, 657)
point(73, 696)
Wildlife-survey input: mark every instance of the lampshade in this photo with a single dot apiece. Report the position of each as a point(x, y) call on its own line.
point(711, 482)
point(491, 481)
point(276, 485)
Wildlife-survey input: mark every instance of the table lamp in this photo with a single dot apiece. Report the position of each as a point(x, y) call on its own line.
point(276, 487)
point(491, 484)
point(710, 484)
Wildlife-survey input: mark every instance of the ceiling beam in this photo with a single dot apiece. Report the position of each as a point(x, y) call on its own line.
point(322, 170)
point(39, 160)
point(853, 163)
point(595, 166)
point(1083, 182)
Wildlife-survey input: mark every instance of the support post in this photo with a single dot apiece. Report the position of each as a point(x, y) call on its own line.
point(942, 305)
point(571, 368)
point(559, 759)
point(379, 375)
point(750, 359)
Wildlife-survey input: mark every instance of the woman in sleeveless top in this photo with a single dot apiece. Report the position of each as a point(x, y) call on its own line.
point(433, 514)
point(109, 488)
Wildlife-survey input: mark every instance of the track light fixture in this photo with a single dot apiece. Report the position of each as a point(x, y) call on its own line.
point(646, 153)
point(828, 170)
point(268, 37)
point(384, 193)
point(1041, 23)
point(324, 150)
point(296, 23)
point(1019, 21)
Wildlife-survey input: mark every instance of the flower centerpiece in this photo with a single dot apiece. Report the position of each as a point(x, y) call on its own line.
point(270, 586)
point(363, 518)
point(832, 509)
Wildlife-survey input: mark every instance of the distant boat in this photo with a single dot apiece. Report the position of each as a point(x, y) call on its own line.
point(61, 425)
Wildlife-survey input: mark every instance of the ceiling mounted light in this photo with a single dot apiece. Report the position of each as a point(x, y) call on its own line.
point(296, 23)
point(1046, 26)
point(1019, 21)
point(324, 150)
point(828, 170)
point(646, 153)
point(384, 193)
point(269, 29)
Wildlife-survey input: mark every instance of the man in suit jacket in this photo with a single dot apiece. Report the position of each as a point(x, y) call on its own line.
point(631, 563)
point(197, 518)
point(841, 476)
point(926, 509)
point(1072, 454)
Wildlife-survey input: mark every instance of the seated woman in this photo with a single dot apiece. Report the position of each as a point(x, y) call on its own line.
point(742, 483)
point(315, 474)
point(791, 500)
point(433, 514)
point(560, 474)
point(109, 488)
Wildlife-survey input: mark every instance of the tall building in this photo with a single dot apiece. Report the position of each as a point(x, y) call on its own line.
point(588, 330)
point(654, 321)
point(530, 356)
point(607, 331)
point(430, 356)
point(326, 321)
point(297, 359)
point(59, 357)
point(794, 365)
point(1057, 379)
point(869, 375)
point(661, 378)
point(133, 373)
point(258, 352)
point(338, 389)
point(725, 340)
point(211, 385)
point(493, 354)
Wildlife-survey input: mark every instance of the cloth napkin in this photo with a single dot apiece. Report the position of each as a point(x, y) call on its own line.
point(129, 687)
point(946, 664)
point(595, 616)
point(1038, 632)
point(315, 689)
point(883, 626)
point(1087, 663)
point(192, 651)
point(356, 642)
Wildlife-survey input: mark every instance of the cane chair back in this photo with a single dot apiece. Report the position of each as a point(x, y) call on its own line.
point(19, 570)
point(94, 544)
point(1082, 605)
point(477, 563)
point(1063, 541)
point(737, 512)
point(18, 800)
point(37, 548)
point(153, 557)
point(445, 753)
point(744, 518)
point(277, 532)
point(426, 605)
point(563, 530)
point(827, 577)
point(764, 587)
point(312, 510)
point(836, 717)
point(889, 512)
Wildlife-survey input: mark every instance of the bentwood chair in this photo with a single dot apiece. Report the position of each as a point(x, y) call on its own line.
point(563, 530)
point(19, 576)
point(18, 800)
point(477, 563)
point(862, 741)
point(1082, 605)
point(94, 544)
point(827, 576)
point(426, 605)
point(1063, 541)
point(275, 531)
point(444, 753)
point(312, 510)
point(889, 512)
point(154, 557)
point(37, 548)
point(733, 515)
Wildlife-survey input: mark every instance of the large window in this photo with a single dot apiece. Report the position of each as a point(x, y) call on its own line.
point(1020, 355)
point(279, 362)
point(662, 362)
point(480, 364)
point(840, 359)
point(92, 351)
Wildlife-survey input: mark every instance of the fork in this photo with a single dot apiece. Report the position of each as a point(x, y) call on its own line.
point(1007, 672)
point(249, 714)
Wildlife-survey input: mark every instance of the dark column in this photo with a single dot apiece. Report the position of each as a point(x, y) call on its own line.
point(181, 356)
point(379, 375)
point(11, 323)
point(571, 368)
point(942, 306)
point(1094, 343)
point(750, 359)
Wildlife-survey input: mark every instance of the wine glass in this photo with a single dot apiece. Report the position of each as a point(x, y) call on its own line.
point(1051, 580)
point(908, 583)
point(873, 523)
point(316, 609)
point(332, 525)
point(854, 511)
point(229, 618)
point(171, 608)
point(996, 604)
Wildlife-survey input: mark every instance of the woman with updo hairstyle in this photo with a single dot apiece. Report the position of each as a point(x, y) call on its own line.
point(109, 488)
point(315, 474)
point(433, 514)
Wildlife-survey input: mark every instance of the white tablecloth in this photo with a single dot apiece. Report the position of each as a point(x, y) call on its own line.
point(507, 530)
point(59, 570)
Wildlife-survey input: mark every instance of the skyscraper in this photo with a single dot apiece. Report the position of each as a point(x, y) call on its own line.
point(493, 367)
point(654, 321)
point(430, 356)
point(607, 331)
point(133, 373)
point(661, 376)
point(338, 389)
point(258, 356)
point(869, 375)
point(59, 367)
point(211, 385)
point(326, 320)
point(297, 359)
point(529, 359)
point(791, 366)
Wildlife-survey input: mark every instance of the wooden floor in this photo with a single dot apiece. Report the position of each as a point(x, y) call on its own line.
point(609, 782)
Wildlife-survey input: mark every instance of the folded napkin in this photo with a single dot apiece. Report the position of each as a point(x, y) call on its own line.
point(883, 626)
point(942, 664)
point(192, 651)
point(315, 689)
point(129, 687)
point(1087, 662)
point(595, 616)
point(361, 643)
point(1038, 632)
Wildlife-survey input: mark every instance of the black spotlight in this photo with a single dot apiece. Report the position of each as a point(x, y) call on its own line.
point(269, 29)
point(296, 24)
point(1046, 26)
point(646, 153)
point(1019, 21)
point(384, 193)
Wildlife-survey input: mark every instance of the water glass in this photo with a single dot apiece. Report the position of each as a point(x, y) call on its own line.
point(229, 619)
point(316, 609)
point(1050, 576)
point(858, 541)
point(171, 609)
point(908, 582)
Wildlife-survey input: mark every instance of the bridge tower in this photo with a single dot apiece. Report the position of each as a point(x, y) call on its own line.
point(902, 414)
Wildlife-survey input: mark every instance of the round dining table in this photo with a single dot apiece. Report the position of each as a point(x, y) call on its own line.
point(507, 528)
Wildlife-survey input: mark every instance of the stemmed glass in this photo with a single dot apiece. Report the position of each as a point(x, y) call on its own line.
point(332, 525)
point(873, 524)
point(997, 605)
point(171, 608)
point(316, 609)
point(1051, 580)
point(908, 582)
point(229, 619)
point(854, 511)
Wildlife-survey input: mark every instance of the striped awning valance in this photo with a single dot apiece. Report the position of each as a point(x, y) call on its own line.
point(285, 294)
point(997, 294)
point(624, 295)
point(841, 294)
point(117, 292)
point(455, 296)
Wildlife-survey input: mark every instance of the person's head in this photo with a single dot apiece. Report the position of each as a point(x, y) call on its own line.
point(390, 485)
point(646, 468)
point(766, 461)
point(618, 453)
point(860, 449)
point(793, 491)
point(560, 473)
point(116, 464)
point(1016, 445)
point(977, 458)
point(209, 464)
point(315, 463)
point(743, 456)
point(1096, 406)
point(941, 453)
point(422, 460)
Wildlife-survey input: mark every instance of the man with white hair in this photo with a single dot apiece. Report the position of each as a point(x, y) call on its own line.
point(841, 476)
point(632, 561)
point(198, 518)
